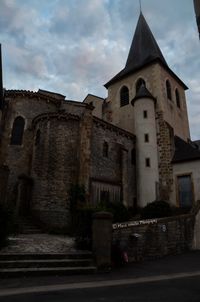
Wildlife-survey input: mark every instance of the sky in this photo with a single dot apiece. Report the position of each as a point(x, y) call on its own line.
point(74, 47)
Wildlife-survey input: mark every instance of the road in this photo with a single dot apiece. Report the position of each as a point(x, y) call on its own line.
point(185, 289)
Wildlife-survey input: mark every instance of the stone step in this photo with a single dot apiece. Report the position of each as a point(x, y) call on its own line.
point(4, 264)
point(46, 256)
point(38, 271)
point(31, 231)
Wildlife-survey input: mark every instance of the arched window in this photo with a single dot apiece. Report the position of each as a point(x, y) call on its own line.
point(37, 137)
point(168, 89)
point(105, 149)
point(17, 131)
point(177, 98)
point(124, 96)
point(139, 83)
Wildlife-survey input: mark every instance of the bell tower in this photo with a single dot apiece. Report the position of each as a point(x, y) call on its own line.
point(148, 83)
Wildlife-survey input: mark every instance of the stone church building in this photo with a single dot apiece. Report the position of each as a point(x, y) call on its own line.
point(133, 147)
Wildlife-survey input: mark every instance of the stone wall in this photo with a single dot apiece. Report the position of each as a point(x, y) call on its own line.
point(155, 238)
point(18, 157)
point(116, 169)
point(54, 167)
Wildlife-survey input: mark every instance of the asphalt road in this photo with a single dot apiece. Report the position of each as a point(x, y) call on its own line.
point(175, 290)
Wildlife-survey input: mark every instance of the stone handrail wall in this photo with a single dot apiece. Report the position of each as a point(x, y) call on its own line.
point(155, 238)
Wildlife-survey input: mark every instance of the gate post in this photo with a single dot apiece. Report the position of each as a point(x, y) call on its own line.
point(102, 239)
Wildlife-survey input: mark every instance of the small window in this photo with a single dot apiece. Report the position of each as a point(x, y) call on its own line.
point(124, 96)
point(177, 98)
point(37, 137)
point(147, 162)
point(146, 138)
point(145, 114)
point(17, 131)
point(139, 83)
point(105, 149)
point(168, 89)
point(133, 157)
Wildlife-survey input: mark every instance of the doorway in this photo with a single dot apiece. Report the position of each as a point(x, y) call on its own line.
point(185, 191)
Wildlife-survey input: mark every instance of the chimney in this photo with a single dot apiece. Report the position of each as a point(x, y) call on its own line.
point(1, 83)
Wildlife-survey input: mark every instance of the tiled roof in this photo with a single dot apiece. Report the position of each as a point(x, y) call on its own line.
point(185, 151)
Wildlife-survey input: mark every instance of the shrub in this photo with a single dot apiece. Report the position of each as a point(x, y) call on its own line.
point(156, 209)
point(119, 211)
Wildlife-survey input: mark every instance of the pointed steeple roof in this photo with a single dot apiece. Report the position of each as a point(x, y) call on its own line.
point(144, 50)
point(143, 92)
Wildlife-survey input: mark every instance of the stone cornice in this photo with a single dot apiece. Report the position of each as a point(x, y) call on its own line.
point(31, 94)
point(54, 115)
point(114, 128)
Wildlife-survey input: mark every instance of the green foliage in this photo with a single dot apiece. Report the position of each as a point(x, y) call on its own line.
point(6, 224)
point(156, 209)
point(119, 211)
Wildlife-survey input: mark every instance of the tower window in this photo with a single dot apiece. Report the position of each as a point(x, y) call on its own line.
point(145, 114)
point(177, 98)
point(139, 83)
point(17, 131)
point(124, 96)
point(105, 149)
point(168, 89)
point(146, 138)
point(147, 162)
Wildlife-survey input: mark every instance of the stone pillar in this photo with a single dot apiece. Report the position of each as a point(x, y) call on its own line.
point(165, 141)
point(85, 149)
point(125, 176)
point(4, 174)
point(102, 239)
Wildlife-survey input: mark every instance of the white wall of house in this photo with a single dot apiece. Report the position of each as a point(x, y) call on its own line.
point(186, 168)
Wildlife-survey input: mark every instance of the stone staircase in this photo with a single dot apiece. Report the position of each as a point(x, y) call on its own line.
point(32, 252)
point(20, 265)
point(27, 226)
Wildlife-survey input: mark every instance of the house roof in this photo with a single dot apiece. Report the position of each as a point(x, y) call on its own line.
point(185, 151)
point(144, 51)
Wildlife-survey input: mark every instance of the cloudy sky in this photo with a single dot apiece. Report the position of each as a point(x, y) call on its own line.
point(73, 47)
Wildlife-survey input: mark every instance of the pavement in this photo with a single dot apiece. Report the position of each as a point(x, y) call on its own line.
point(172, 267)
point(39, 243)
